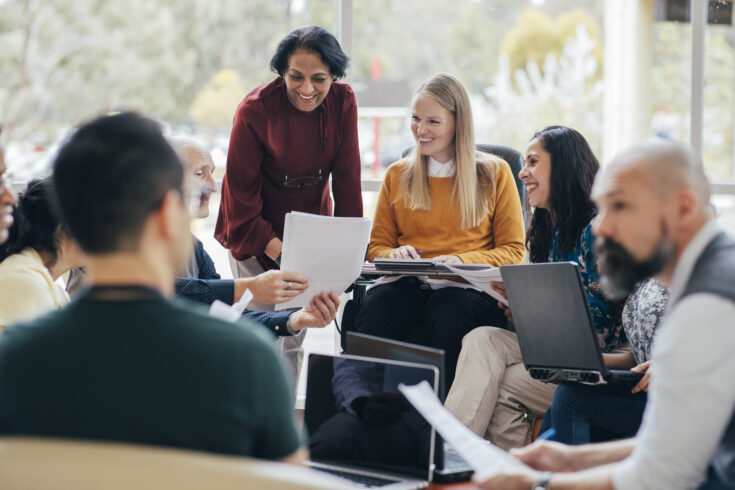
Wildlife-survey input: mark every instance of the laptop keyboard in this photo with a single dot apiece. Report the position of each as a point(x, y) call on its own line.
point(367, 481)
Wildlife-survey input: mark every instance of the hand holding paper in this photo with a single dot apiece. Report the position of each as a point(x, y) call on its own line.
point(328, 251)
point(486, 459)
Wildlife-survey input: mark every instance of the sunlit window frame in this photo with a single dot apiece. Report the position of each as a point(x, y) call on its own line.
point(698, 19)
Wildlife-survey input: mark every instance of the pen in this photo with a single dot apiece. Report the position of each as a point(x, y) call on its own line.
point(419, 252)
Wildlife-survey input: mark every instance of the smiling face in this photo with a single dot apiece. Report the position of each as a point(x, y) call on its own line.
point(307, 80)
point(433, 128)
point(536, 175)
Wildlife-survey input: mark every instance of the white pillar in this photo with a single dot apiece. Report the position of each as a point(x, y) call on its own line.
point(627, 63)
point(344, 29)
point(699, 24)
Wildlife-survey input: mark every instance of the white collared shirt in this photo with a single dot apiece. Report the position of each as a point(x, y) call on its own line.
point(441, 170)
point(692, 391)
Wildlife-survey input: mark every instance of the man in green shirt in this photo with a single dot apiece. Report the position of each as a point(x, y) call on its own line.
point(123, 362)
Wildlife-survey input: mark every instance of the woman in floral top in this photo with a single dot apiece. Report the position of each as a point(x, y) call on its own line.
point(582, 413)
point(492, 390)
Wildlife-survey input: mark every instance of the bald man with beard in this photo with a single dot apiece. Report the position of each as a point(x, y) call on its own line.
point(655, 219)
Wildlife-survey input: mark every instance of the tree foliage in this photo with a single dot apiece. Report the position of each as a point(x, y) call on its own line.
point(537, 34)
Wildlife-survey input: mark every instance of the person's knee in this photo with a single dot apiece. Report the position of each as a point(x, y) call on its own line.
point(477, 338)
point(489, 339)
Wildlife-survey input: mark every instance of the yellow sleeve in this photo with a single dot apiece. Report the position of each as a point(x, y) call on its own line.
point(507, 224)
point(384, 235)
point(25, 295)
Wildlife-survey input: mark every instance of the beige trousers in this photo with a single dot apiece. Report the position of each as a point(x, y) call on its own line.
point(492, 390)
point(290, 346)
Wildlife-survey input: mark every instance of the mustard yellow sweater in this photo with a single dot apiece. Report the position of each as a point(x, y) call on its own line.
point(497, 240)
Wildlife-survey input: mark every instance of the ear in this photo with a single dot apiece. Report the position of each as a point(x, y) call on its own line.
point(169, 215)
point(686, 207)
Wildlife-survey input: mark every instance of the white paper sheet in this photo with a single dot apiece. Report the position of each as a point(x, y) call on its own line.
point(480, 278)
point(483, 457)
point(225, 312)
point(329, 251)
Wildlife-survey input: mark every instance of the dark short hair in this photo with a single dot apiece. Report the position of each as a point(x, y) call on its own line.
point(311, 38)
point(110, 176)
point(35, 223)
point(573, 170)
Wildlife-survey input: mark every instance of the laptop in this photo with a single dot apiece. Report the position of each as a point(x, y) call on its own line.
point(364, 345)
point(449, 467)
point(389, 445)
point(554, 325)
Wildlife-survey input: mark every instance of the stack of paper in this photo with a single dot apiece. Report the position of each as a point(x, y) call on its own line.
point(329, 251)
point(480, 278)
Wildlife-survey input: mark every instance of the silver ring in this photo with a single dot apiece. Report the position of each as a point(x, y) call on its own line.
point(288, 285)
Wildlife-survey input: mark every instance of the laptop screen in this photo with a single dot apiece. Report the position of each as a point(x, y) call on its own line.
point(551, 316)
point(356, 417)
point(360, 344)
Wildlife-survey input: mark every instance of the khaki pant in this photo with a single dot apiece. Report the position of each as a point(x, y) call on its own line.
point(290, 346)
point(492, 390)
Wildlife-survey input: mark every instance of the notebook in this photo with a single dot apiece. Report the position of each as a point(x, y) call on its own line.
point(389, 445)
point(554, 325)
point(449, 467)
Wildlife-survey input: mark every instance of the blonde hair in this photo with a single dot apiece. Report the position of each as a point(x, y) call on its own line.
point(474, 180)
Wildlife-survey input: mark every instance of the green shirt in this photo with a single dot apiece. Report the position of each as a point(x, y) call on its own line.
point(146, 371)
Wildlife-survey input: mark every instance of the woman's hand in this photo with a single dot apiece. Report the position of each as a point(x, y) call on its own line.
point(272, 287)
point(273, 248)
point(321, 312)
point(405, 252)
point(643, 383)
point(448, 259)
point(499, 288)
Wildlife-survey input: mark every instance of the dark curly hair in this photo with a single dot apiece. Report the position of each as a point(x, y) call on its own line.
point(35, 222)
point(573, 170)
point(311, 38)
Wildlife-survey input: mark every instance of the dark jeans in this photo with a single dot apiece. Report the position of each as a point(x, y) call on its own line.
point(581, 413)
point(410, 311)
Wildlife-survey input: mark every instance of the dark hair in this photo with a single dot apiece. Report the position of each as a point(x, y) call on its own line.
point(109, 176)
point(311, 38)
point(573, 169)
point(35, 222)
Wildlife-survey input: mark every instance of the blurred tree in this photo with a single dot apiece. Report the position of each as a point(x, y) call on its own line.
point(214, 106)
point(563, 92)
point(536, 34)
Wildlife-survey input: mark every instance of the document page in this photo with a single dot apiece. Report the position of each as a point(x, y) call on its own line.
point(484, 457)
point(228, 313)
point(329, 251)
point(480, 278)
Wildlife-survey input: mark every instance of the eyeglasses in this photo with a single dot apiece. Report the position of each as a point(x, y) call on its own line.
point(303, 181)
point(300, 181)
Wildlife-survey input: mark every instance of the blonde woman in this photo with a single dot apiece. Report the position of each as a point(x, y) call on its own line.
point(445, 201)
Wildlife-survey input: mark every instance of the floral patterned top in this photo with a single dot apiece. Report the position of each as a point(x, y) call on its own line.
point(610, 332)
point(642, 314)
